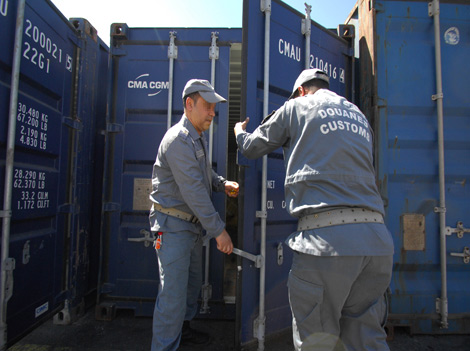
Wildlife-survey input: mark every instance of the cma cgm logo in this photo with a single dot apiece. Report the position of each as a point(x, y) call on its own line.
point(143, 82)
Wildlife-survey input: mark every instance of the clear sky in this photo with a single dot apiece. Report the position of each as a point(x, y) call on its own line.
point(187, 13)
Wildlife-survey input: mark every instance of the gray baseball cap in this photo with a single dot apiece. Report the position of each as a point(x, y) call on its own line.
point(307, 75)
point(204, 88)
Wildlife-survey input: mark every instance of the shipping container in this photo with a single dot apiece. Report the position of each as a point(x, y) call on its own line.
point(45, 215)
point(150, 67)
point(414, 87)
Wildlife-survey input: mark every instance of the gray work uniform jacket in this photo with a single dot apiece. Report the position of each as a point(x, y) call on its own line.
point(327, 144)
point(183, 179)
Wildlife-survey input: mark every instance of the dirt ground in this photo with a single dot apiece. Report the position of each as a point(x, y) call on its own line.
point(128, 333)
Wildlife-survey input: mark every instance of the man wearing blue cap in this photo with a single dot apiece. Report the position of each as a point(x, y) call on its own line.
point(183, 181)
point(342, 250)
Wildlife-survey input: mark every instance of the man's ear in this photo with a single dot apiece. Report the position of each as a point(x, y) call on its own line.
point(189, 104)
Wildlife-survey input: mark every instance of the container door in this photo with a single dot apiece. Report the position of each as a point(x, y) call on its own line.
point(287, 58)
point(90, 112)
point(42, 161)
point(137, 122)
point(404, 111)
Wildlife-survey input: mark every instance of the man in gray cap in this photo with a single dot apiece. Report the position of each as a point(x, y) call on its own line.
point(342, 250)
point(183, 181)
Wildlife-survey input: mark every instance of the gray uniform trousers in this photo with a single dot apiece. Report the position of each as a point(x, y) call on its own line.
point(180, 263)
point(338, 302)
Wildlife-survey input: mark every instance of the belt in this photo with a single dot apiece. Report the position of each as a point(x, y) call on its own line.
point(176, 213)
point(337, 217)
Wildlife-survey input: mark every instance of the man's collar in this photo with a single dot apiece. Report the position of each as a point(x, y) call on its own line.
point(189, 126)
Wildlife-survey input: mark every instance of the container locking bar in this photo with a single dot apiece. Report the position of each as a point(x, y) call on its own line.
point(465, 254)
point(147, 238)
point(460, 230)
point(258, 260)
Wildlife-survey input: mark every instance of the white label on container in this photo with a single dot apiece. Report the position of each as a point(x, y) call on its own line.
point(41, 309)
point(452, 36)
point(142, 190)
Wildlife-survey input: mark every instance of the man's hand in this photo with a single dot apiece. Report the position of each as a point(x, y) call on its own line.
point(231, 188)
point(241, 126)
point(224, 243)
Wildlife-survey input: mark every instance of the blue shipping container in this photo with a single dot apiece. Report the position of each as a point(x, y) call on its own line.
point(41, 163)
point(430, 289)
point(49, 243)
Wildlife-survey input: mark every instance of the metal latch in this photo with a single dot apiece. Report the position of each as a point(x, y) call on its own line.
point(147, 238)
point(465, 254)
point(258, 260)
point(460, 230)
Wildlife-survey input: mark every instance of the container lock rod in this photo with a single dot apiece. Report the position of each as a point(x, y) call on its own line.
point(258, 260)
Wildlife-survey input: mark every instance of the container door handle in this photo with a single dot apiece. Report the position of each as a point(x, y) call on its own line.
point(256, 259)
point(147, 238)
point(465, 254)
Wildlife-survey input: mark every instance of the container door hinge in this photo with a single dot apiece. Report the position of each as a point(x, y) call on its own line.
point(460, 230)
point(111, 207)
point(114, 128)
point(9, 266)
point(147, 238)
point(465, 254)
point(73, 123)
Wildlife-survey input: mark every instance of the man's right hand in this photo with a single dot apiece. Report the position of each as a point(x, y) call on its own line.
point(224, 243)
point(241, 126)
